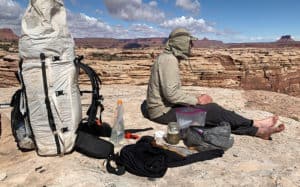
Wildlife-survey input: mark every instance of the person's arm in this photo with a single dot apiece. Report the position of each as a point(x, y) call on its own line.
point(170, 83)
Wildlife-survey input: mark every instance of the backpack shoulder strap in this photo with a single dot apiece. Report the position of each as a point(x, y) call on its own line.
point(119, 169)
point(174, 160)
point(96, 102)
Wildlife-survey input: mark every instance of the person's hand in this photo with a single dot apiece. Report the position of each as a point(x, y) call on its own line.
point(204, 99)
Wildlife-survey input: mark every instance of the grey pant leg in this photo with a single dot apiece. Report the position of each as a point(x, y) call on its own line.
point(167, 117)
point(239, 124)
point(215, 115)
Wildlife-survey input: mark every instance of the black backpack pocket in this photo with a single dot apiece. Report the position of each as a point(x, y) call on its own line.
point(20, 123)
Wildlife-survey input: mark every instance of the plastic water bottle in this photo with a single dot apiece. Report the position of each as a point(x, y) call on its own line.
point(117, 133)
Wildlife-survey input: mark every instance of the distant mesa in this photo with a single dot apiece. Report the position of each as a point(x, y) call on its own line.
point(207, 43)
point(286, 38)
point(138, 43)
point(7, 35)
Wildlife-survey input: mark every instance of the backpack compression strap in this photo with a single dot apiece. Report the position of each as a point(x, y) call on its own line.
point(47, 102)
point(97, 99)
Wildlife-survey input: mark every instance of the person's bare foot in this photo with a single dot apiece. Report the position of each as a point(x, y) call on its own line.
point(266, 132)
point(268, 122)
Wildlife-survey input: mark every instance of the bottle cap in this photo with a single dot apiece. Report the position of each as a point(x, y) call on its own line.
point(119, 102)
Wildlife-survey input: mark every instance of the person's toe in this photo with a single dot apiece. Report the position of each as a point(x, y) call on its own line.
point(280, 128)
point(275, 119)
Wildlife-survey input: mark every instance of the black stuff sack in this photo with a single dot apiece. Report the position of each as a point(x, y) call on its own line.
point(141, 159)
point(20, 123)
point(147, 159)
point(92, 146)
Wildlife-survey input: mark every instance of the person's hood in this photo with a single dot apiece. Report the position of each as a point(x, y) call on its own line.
point(179, 43)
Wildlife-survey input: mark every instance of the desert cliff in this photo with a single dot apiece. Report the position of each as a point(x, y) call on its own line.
point(272, 69)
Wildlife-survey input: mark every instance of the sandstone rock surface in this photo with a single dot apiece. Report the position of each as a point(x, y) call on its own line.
point(250, 162)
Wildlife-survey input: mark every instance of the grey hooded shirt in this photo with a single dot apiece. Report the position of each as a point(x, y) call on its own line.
point(164, 88)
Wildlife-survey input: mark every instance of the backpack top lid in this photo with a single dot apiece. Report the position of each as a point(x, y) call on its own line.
point(45, 30)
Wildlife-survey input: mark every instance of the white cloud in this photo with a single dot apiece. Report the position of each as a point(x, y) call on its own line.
point(9, 9)
point(10, 15)
point(191, 5)
point(295, 37)
point(134, 10)
point(194, 25)
point(153, 3)
point(145, 31)
point(81, 25)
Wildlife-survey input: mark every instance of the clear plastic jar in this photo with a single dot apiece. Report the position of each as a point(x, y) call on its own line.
point(173, 135)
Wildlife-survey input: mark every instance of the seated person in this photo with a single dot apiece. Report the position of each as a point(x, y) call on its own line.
point(164, 93)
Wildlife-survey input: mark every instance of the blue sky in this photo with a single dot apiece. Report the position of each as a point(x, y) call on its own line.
point(226, 20)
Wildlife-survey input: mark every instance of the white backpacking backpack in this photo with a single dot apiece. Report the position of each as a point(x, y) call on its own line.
point(49, 77)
